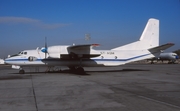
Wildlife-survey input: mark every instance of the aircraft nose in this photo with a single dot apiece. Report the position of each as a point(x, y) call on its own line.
point(6, 61)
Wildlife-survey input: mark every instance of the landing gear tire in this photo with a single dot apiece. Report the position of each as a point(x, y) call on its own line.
point(21, 71)
point(78, 70)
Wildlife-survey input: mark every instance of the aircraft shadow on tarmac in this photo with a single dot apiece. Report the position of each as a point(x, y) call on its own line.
point(15, 77)
point(83, 73)
point(123, 70)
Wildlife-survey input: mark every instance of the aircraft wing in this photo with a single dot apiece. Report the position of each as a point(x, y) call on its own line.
point(81, 51)
point(82, 47)
point(160, 48)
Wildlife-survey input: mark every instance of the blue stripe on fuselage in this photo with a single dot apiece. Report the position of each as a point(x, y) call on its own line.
point(21, 60)
point(117, 60)
point(121, 59)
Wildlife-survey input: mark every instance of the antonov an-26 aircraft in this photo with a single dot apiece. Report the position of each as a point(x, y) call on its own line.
point(78, 56)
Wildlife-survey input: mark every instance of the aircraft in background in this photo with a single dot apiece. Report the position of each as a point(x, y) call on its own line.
point(1, 61)
point(170, 57)
point(78, 56)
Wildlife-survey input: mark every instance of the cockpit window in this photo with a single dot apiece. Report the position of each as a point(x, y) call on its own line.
point(20, 53)
point(13, 55)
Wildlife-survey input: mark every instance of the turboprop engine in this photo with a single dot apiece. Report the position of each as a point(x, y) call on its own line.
point(57, 51)
point(72, 52)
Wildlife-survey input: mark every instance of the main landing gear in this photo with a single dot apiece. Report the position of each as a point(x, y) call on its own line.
point(79, 70)
point(21, 71)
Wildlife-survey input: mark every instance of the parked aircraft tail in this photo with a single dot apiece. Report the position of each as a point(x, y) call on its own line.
point(148, 39)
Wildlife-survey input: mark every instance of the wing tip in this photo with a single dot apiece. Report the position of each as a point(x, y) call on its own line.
point(95, 45)
point(170, 43)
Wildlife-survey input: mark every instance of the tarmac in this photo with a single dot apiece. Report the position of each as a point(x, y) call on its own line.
point(131, 87)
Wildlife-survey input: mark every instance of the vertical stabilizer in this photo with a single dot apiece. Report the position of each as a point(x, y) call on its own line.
point(148, 39)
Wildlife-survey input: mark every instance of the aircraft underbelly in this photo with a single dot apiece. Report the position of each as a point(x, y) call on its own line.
point(74, 63)
point(85, 63)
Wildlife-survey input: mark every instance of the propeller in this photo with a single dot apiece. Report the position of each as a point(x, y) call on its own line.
point(46, 48)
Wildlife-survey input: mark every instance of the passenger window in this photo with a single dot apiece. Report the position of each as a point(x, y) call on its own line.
point(25, 53)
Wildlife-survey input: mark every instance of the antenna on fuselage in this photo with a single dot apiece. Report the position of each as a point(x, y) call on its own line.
point(87, 37)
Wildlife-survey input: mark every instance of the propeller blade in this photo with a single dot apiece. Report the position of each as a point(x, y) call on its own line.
point(45, 47)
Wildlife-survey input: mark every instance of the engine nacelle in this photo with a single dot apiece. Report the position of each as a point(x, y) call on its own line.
point(56, 51)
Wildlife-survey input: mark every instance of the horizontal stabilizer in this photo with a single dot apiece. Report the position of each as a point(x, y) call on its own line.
point(160, 48)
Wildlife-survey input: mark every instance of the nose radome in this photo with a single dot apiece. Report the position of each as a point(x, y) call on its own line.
point(6, 61)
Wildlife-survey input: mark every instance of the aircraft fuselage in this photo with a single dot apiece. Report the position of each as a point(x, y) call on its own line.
point(107, 58)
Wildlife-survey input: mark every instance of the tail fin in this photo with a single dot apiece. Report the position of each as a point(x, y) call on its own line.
point(148, 39)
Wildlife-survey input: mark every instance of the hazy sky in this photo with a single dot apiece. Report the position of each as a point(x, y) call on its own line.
point(25, 23)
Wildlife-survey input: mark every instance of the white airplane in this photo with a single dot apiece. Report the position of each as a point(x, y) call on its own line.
point(171, 57)
point(1, 61)
point(78, 56)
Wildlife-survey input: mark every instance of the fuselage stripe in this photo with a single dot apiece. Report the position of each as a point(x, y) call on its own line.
point(114, 60)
